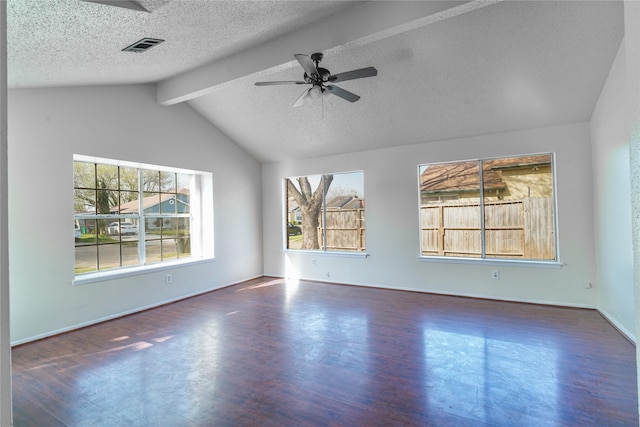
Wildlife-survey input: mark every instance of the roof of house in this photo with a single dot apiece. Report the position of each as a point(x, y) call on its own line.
point(345, 202)
point(464, 176)
point(147, 202)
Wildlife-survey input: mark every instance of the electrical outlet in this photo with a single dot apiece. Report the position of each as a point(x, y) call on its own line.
point(168, 278)
point(327, 274)
point(313, 261)
point(495, 274)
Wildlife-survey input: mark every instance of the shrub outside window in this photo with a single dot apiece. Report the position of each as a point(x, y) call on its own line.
point(129, 215)
point(325, 212)
point(510, 216)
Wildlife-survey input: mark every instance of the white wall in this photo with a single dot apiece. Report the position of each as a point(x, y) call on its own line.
point(632, 59)
point(5, 349)
point(46, 127)
point(610, 126)
point(392, 220)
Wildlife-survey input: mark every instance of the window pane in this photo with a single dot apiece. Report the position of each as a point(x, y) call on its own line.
point(84, 175)
point(88, 229)
point(151, 203)
point(183, 203)
point(183, 182)
point(184, 247)
point(84, 201)
point(153, 251)
point(150, 180)
point(130, 251)
point(105, 200)
point(107, 176)
point(304, 204)
point(167, 182)
point(519, 217)
point(86, 259)
point(169, 238)
point(326, 212)
point(184, 238)
point(128, 179)
point(184, 227)
point(108, 256)
point(103, 230)
point(169, 249)
point(345, 212)
point(129, 203)
point(153, 228)
point(168, 205)
point(450, 209)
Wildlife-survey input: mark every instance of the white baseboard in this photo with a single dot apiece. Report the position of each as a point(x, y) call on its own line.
point(124, 313)
point(624, 331)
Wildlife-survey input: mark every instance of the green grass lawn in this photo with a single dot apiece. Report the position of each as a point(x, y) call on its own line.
point(91, 239)
point(295, 242)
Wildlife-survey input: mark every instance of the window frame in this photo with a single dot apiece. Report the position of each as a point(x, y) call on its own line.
point(483, 259)
point(322, 242)
point(200, 217)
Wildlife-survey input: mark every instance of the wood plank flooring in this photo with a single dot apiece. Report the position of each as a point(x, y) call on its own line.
point(271, 353)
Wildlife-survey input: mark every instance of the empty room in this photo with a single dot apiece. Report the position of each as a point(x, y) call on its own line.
point(319, 213)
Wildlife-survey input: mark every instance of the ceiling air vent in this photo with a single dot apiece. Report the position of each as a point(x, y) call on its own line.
point(142, 45)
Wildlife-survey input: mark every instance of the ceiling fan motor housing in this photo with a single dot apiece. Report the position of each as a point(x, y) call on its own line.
point(322, 77)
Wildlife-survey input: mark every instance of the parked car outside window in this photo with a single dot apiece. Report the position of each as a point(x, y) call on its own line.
point(294, 230)
point(123, 228)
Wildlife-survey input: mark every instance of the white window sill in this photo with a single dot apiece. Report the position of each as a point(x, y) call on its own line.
point(326, 253)
point(101, 276)
point(493, 261)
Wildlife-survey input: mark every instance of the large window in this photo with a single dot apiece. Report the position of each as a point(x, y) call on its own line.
point(325, 212)
point(132, 215)
point(492, 208)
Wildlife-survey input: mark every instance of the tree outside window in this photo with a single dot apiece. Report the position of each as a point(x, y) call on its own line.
point(326, 212)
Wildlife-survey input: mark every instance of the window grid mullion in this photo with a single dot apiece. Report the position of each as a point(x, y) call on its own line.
point(324, 214)
point(142, 247)
point(483, 243)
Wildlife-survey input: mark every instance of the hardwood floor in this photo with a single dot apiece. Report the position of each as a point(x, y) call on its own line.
point(271, 353)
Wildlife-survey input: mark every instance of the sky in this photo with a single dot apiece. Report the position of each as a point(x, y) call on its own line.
point(349, 182)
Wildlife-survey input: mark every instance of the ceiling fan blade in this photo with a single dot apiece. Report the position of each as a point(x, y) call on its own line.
point(127, 4)
point(307, 64)
point(280, 83)
point(354, 74)
point(302, 98)
point(344, 94)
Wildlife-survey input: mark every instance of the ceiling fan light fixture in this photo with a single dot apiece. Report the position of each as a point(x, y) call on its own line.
point(315, 92)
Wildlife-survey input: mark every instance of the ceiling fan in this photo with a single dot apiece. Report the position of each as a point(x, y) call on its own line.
point(320, 79)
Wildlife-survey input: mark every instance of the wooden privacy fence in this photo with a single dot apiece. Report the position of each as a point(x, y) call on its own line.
point(345, 229)
point(513, 229)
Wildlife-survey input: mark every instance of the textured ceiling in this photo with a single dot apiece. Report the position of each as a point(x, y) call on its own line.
point(71, 42)
point(445, 69)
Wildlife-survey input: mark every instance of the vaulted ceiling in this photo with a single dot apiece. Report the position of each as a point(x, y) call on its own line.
point(446, 69)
